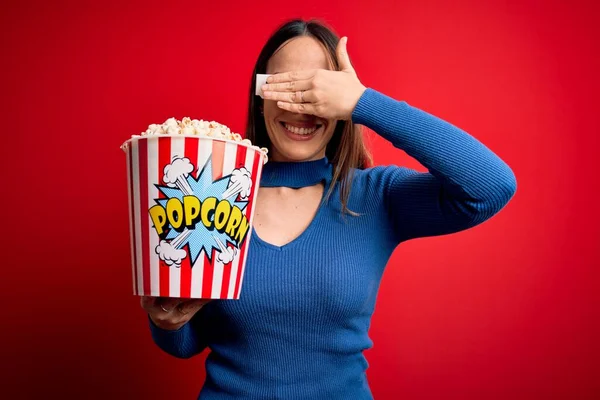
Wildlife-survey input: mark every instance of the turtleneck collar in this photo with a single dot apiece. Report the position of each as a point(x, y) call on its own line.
point(296, 174)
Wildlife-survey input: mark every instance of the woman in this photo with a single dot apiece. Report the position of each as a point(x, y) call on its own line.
point(325, 226)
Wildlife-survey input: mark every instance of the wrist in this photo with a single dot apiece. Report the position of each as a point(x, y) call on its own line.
point(359, 92)
point(166, 326)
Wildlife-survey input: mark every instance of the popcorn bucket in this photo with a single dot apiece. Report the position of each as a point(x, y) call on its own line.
point(191, 205)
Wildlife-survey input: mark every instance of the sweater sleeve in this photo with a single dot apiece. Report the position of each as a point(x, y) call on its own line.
point(465, 185)
point(189, 340)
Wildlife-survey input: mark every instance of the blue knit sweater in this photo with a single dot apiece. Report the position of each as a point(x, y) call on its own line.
point(301, 325)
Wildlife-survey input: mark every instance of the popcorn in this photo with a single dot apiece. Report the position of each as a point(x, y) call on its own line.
point(154, 129)
point(194, 127)
point(171, 127)
point(188, 130)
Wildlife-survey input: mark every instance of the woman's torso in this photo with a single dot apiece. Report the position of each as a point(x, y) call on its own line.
point(307, 297)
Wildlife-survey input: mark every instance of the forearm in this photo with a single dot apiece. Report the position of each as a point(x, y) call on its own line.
point(467, 168)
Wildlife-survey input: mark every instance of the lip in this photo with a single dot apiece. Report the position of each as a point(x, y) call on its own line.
point(297, 137)
point(302, 124)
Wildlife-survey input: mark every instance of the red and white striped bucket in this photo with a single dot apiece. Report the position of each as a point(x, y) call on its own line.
point(191, 206)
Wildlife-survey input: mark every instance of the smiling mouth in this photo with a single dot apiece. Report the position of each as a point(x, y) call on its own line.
point(305, 131)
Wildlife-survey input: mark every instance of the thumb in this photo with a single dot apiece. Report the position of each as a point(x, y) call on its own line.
point(342, 54)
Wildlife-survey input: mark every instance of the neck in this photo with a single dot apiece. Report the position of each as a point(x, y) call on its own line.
point(296, 174)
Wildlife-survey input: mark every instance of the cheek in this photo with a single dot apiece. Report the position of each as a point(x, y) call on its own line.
point(271, 111)
point(331, 125)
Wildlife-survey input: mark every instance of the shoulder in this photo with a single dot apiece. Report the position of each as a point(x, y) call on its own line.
point(370, 186)
point(379, 177)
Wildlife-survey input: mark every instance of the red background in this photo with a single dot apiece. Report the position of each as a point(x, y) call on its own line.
point(507, 310)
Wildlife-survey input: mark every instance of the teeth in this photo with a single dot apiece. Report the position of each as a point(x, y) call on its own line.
point(300, 131)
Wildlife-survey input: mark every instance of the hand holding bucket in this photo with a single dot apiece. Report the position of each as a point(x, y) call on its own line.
point(171, 314)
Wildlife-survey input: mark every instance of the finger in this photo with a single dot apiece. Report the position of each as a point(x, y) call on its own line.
point(304, 108)
point(166, 304)
point(291, 76)
point(192, 305)
point(291, 86)
point(342, 53)
point(295, 97)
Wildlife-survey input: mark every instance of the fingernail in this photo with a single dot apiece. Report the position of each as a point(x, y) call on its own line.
point(266, 94)
point(265, 87)
point(269, 79)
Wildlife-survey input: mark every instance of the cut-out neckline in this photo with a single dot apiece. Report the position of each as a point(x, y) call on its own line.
point(296, 175)
point(301, 235)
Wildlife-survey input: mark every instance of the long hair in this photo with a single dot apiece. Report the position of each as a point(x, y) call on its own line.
point(346, 150)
